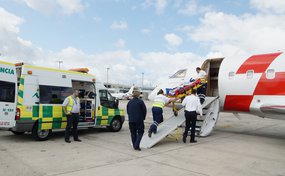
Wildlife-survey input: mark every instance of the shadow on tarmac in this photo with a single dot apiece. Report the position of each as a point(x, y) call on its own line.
point(56, 135)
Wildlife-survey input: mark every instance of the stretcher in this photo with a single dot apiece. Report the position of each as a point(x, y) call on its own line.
point(182, 91)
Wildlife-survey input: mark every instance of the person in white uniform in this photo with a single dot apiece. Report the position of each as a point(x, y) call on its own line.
point(191, 104)
point(201, 91)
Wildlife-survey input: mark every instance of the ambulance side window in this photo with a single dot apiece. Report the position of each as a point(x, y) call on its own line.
point(106, 99)
point(7, 93)
point(54, 94)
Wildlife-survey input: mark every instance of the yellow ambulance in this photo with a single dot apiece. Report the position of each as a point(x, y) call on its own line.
point(31, 100)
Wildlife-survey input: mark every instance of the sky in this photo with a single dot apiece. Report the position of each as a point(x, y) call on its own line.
point(153, 37)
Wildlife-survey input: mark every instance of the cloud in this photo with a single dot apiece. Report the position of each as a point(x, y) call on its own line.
point(173, 39)
point(124, 67)
point(120, 43)
point(191, 8)
point(67, 7)
point(247, 33)
point(276, 6)
point(10, 22)
point(121, 64)
point(168, 63)
point(119, 25)
point(70, 6)
point(221, 34)
point(12, 47)
point(159, 5)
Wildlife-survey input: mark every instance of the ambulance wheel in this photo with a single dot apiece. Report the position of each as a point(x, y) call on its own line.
point(40, 135)
point(116, 125)
point(18, 133)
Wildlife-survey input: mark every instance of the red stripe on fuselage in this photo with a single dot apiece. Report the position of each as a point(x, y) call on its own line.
point(238, 102)
point(258, 63)
point(274, 86)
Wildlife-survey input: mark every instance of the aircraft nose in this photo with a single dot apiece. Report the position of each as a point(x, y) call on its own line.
point(153, 94)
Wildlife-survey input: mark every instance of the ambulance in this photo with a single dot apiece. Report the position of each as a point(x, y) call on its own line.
point(31, 100)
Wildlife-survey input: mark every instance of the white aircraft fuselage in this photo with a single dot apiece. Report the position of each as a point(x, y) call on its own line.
point(245, 84)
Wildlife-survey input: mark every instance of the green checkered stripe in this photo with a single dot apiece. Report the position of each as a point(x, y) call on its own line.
point(21, 91)
point(29, 112)
point(26, 112)
point(51, 117)
point(105, 115)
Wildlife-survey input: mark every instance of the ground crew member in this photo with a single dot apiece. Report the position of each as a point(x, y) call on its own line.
point(71, 107)
point(136, 110)
point(191, 104)
point(157, 110)
point(201, 91)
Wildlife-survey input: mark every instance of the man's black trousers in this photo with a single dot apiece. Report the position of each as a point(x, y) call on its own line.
point(72, 121)
point(191, 118)
point(137, 130)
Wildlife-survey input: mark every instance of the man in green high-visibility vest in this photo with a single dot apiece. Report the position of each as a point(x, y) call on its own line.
point(71, 107)
point(157, 110)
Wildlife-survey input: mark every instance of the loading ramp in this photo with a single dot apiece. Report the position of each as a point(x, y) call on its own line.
point(210, 110)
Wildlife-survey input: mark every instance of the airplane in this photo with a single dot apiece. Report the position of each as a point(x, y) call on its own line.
point(122, 96)
point(244, 84)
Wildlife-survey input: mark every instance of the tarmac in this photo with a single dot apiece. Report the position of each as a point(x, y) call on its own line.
point(246, 146)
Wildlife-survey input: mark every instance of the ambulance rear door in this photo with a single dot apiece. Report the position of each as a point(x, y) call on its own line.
point(8, 95)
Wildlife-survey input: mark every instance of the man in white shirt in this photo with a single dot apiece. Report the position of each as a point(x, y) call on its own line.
point(201, 91)
point(191, 104)
point(71, 107)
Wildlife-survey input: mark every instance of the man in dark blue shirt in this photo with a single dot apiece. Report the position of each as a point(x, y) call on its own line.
point(136, 110)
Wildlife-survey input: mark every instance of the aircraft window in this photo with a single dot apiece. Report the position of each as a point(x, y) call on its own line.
point(231, 75)
point(270, 74)
point(249, 74)
point(179, 74)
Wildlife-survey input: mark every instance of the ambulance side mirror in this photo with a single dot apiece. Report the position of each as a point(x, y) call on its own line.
point(117, 101)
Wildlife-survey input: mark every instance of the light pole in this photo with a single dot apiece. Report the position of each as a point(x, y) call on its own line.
point(108, 75)
point(142, 79)
point(59, 62)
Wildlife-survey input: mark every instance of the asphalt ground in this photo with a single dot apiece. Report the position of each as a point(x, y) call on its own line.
point(246, 146)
